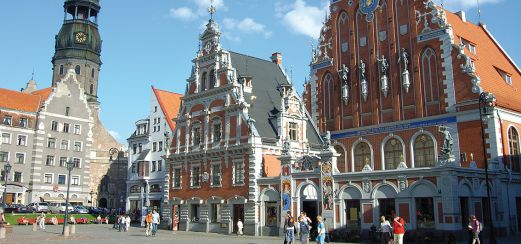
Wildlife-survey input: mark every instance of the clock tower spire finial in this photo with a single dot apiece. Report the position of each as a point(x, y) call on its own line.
point(212, 9)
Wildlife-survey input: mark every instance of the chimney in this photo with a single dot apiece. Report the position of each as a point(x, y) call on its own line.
point(461, 15)
point(276, 58)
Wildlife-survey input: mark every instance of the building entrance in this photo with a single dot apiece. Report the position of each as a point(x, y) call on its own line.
point(464, 207)
point(238, 213)
point(387, 207)
point(352, 214)
point(311, 210)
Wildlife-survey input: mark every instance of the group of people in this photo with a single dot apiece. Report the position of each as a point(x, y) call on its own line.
point(152, 222)
point(302, 225)
point(122, 223)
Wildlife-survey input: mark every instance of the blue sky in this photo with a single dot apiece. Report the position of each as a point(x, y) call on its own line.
point(153, 42)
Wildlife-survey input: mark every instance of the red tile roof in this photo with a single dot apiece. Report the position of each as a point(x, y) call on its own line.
point(25, 102)
point(170, 103)
point(488, 59)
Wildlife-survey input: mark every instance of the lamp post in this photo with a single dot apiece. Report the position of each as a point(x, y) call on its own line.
point(486, 103)
point(7, 168)
point(70, 165)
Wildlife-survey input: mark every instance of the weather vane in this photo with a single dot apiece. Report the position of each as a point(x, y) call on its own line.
point(212, 9)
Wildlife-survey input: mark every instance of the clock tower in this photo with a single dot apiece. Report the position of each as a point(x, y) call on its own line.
point(78, 47)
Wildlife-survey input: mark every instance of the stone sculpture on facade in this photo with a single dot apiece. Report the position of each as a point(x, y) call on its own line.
point(446, 157)
point(404, 60)
point(363, 83)
point(344, 76)
point(384, 82)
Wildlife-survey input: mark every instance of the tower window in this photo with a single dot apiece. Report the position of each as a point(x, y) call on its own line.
point(91, 89)
point(77, 69)
point(61, 69)
point(67, 111)
point(92, 73)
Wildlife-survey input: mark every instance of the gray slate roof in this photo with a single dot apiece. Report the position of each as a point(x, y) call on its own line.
point(266, 78)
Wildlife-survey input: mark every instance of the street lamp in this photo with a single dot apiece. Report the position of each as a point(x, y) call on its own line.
point(7, 168)
point(70, 165)
point(486, 103)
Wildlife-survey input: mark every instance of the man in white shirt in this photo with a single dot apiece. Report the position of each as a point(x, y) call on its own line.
point(155, 222)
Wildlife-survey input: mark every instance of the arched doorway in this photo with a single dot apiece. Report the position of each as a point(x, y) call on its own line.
point(102, 203)
point(310, 204)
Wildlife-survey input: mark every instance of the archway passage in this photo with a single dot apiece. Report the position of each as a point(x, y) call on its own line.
point(102, 203)
point(310, 205)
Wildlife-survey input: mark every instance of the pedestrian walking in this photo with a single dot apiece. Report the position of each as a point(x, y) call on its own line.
point(476, 228)
point(385, 231)
point(127, 223)
point(305, 228)
point(290, 231)
point(148, 221)
point(155, 222)
point(42, 221)
point(398, 229)
point(321, 229)
point(121, 223)
point(240, 225)
point(116, 223)
point(288, 216)
point(98, 219)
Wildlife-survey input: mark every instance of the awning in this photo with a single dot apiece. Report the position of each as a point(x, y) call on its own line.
point(76, 200)
point(52, 199)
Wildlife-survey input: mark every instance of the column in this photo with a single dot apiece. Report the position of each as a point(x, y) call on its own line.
point(287, 159)
point(327, 186)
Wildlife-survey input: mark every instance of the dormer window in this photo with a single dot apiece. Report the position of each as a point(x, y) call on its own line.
point(470, 46)
point(293, 131)
point(213, 81)
point(506, 76)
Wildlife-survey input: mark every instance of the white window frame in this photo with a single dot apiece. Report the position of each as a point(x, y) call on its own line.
point(73, 178)
point(53, 162)
point(79, 163)
point(52, 178)
point(7, 153)
point(194, 127)
point(77, 129)
point(180, 177)
point(24, 141)
point(53, 128)
point(21, 177)
point(219, 174)
point(217, 121)
point(234, 173)
point(154, 146)
point(48, 141)
point(67, 145)
point(293, 129)
point(64, 163)
point(8, 120)
point(66, 125)
point(26, 122)
point(8, 138)
point(16, 157)
point(58, 180)
point(81, 146)
point(192, 176)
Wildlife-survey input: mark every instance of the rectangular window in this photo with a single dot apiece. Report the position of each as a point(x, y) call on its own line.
point(23, 122)
point(50, 160)
point(177, 178)
point(22, 140)
point(6, 138)
point(160, 146)
point(64, 145)
point(77, 129)
point(154, 147)
point(194, 213)
point(425, 213)
point(8, 120)
point(217, 132)
point(20, 158)
point(293, 132)
point(47, 178)
point(51, 143)
point(144, 168)
point(133, 168)
point(153, 166)
point(158, 120)
point(140, 147)
point(4, 156)
point(18, 177)
point(159, 165)
point(63, 161)
point(134, 148)
point(77, 162)
point(75, 180)
point(216, 175)
point(216, 213)
point(271, 214)
point(77, 146)
point(197, 136)
point(2, 175)
point(66, 127)
point(54, 126)
point(238, 173)
point(195, 174)
point(67, 111)
point(61, 179)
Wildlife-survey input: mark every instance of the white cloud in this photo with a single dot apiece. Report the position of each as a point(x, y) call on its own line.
point(231, 37)
point(302, 18)
point(246, 25)
point(183, 13)
point(456, 5)
point(202, 6)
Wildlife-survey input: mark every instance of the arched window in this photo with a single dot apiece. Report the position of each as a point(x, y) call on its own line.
point(513, 145)
point(61, 69)
point(213, 81)
point(393, 153)
point(423, 151)
point(343, 34)
point(155, 188)
point(135, 189)
point(341, 160)
point(328, 87)
point(61, 195)
point(77, 69)
point(430, 82)
point(203, 81)
point(362, 156)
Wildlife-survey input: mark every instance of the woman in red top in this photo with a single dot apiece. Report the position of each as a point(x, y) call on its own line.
point(398, 229)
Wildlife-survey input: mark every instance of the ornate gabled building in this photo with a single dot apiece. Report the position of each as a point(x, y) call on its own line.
point(421, 104)
point(240, 125)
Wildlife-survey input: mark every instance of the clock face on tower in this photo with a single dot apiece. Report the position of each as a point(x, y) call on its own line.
point(81, 37)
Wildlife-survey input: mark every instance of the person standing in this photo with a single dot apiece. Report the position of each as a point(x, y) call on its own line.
point(127, 223)
point(305, 228)
point(398, 229)
point(240, 225)
point(476, 227)
point(385, 228)
point(42, 221)
point(155, 222)
point(288, 216)
point(121, 222)
point(290, 231)
point(148, 221)
point(321, 229)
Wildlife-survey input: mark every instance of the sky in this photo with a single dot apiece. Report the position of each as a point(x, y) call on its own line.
point(152, 42)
